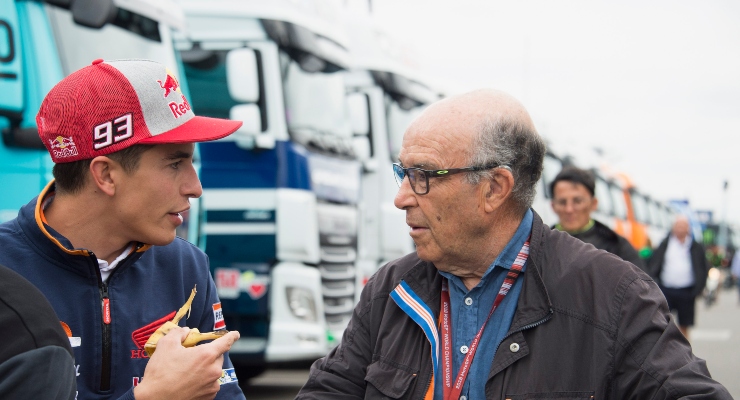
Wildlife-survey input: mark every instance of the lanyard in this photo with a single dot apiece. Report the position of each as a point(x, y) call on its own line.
point(452, 389)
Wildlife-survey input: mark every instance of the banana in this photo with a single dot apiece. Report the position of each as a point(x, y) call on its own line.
point(193, 338)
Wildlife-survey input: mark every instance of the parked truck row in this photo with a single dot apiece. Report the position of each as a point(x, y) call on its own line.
point(296, 212)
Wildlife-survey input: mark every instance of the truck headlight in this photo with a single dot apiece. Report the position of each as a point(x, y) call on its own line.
point(301, 303)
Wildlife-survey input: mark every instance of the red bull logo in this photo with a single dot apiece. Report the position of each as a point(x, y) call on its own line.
point(179, 109)
point(60, 142)
point(170, 85)
point(63, 147)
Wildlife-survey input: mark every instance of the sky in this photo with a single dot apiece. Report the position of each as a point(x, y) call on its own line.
point(654, 84)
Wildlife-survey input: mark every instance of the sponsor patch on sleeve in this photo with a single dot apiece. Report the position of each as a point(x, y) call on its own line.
point(218, 317)
point(227, 376)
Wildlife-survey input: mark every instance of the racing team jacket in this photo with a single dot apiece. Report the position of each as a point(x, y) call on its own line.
point(588, 325)
point(143, 291)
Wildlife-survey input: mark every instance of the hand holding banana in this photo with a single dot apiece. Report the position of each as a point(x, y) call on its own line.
point(193, 338)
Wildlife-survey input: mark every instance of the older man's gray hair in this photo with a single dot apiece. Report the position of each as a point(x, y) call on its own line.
point(510, 143)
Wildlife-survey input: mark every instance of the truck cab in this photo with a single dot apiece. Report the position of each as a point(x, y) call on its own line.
point(280, 196)
point(385, 96)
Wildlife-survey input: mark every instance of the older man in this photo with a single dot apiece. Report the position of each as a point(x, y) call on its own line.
point(494, 304)
point(680, 266)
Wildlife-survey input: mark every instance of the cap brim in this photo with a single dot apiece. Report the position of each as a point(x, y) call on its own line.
point(198, 129)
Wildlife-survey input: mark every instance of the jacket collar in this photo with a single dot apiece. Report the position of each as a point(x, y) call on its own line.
point(534, 302)
point(51, 243)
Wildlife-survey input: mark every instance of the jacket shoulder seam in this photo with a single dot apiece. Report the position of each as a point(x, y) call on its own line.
point(584, 318)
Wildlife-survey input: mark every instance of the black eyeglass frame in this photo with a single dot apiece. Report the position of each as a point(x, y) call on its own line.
point(435, 173)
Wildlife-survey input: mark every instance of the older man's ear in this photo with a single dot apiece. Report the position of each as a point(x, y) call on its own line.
point(497, 189)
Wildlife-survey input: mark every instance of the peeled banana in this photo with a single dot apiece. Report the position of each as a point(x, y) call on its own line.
point(193, 338)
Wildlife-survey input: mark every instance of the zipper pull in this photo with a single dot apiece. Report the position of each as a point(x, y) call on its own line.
point(106, 304)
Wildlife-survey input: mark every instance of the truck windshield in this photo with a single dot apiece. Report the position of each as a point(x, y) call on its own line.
point(398, 121)
point(129, 36)
point(316, 108)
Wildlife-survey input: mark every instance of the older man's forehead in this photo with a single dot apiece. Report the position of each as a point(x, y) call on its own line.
point(433, 146)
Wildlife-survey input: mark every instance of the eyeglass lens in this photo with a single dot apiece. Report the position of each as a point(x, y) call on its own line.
point(417, 178)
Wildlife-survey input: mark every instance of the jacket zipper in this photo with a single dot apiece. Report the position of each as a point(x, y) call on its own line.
point(106, 320)
point(106, 365)
point(105, 370)
point(525, 327)
point(530, 326)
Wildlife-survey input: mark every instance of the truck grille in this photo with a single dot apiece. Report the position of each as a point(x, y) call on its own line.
point(338, 253)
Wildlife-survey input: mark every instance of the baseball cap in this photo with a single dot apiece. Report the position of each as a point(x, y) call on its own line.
point(111, 105)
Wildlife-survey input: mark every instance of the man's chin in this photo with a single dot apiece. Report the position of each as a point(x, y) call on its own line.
point(162, 240)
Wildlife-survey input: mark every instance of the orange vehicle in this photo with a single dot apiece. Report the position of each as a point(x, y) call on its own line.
point(635, 225)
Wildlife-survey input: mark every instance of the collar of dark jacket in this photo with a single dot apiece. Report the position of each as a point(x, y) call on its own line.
point(534, 301)
point(55, 247)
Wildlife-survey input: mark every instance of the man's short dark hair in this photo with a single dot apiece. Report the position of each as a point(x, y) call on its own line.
point(70, 177)
point(575, 175)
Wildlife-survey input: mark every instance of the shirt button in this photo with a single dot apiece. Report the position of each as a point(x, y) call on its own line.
point(514, 347)
point(468, 301)
point(464, 349)
point(463, 397)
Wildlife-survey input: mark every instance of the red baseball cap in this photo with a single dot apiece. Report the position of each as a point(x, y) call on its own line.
point(111, 105)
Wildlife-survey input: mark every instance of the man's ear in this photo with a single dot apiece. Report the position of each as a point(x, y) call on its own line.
point(594, 204)
point(498, 189)
point(103, 171)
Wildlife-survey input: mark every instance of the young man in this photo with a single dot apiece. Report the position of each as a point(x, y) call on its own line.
point(573, 200)
point(99, 241)
point(493, 304)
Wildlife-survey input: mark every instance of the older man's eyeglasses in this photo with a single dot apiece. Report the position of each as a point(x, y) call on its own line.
point(419, 178)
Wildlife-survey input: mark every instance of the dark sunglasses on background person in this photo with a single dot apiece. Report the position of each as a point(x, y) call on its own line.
point(419, 178)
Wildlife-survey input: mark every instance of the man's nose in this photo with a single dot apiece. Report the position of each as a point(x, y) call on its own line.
point(192, 188)
point(405, 197)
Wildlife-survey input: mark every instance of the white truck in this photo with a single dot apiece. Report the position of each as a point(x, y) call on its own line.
point(279, 213)
point(385, 96)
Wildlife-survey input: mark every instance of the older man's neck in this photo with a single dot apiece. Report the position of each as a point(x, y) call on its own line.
point(486, 251)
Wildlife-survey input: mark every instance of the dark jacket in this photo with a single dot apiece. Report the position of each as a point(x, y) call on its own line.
point(143, 291)
point(35, 357)
point(602, 237)
point(587, 324)
point(699, 264)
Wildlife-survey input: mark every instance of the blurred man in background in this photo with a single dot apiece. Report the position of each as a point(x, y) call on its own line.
point(680, 267)
point(573, 201)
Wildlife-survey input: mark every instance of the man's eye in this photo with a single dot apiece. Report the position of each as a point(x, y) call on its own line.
point(176, 165)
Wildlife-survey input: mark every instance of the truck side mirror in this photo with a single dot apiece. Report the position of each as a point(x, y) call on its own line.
point(22, 137)
point(360, 113)
point(243, 81)
point(249, 135)
point(242, 76)
point(93, 13)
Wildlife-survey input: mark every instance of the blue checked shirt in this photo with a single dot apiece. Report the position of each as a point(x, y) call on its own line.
point(467, 317)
